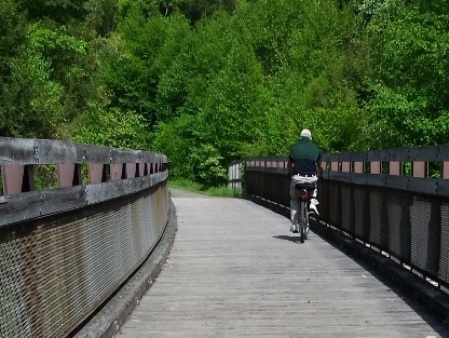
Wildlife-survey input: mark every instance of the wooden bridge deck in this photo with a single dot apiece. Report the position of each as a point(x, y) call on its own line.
point(236, 271)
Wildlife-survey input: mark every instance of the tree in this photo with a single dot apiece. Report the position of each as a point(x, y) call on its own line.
point(112, 128)
point(135, 59)
point(102, 16)
point(28, 95)
point(409, 90)
point(194, 10)
point(59, 11)
point(249, 82)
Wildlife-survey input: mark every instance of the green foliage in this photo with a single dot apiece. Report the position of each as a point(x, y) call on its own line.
point(217, 104)
point(102, 16)
point(249, 82)
point(59, 11)
point(12, 33)
point(192, 186)
point(45, 177)
point(48, 84)
point(45, 73)
point(31, 101)
point(112, 128)
point(184, 184)
point(207, 82)
point(409, 92)
point(198, 9)
point(134, 60)
point(207, 166)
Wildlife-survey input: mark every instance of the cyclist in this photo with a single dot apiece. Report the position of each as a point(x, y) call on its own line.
point(304, 162)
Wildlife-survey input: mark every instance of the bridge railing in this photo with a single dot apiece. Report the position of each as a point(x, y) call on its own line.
point(395, 201)
point(75, 222)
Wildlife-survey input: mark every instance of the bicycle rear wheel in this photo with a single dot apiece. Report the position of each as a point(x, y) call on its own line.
point(302, 222)
point(306, 223)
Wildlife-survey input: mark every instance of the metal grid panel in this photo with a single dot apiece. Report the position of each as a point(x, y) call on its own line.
point(398, 220)
point(275, 190)
point(375, 212)
point(334, 205)
point(401, 215)
point(284, 190)
point(361, 216)
point(323, 198)
point(347, 208)
point(55, 271)
point(425, 229)
point(443, 272)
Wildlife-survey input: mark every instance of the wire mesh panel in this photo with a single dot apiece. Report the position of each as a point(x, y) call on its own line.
point(323, 198)
point(13, 290)
point(347, 208)
point(334, 204)
point(279, 189)
point(255, 184)
point(398, 220)
point(425, 233)
point(284, 188)
point(443, 272)
point(361, 213)
point(374, 197)
point(55, 271)
point(376, 216)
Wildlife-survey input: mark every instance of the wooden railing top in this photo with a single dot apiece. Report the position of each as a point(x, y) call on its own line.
point(21, 151)
point(421, 169)
point(82, 174)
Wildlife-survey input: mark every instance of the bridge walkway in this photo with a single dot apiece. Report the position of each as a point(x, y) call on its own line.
point(236, 271)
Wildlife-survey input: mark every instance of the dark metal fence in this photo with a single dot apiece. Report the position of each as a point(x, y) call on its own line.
point(395, 201)
point(64, 251)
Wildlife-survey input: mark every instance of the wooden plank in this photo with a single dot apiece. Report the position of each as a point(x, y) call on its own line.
point(375, 167)
point(419, 169)
point(12, 176)
point(395, 168)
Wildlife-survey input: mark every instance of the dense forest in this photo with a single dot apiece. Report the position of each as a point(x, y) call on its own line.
point(210, 81)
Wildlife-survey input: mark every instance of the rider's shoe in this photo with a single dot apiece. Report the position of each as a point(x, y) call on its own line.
point(294, 228)
point(313, 206)
point(314, 210)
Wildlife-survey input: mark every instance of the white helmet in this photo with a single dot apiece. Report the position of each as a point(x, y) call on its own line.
point(306, 133)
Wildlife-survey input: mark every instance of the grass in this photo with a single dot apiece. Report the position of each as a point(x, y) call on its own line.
point(222, 191)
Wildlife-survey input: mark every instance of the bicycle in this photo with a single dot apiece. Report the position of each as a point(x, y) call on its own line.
point(305, 195)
